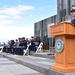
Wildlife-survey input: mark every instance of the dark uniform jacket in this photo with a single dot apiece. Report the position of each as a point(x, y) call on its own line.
point(73, 21)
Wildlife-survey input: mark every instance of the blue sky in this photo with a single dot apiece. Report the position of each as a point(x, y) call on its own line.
point(17, 17)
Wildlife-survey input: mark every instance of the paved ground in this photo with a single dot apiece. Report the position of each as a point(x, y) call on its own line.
point(41, 65)
point(43, 62)
point(8, 67)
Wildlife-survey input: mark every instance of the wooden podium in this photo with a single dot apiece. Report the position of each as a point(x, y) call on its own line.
point(64, 60)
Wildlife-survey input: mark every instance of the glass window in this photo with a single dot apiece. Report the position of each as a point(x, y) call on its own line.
point(55, 19)
point(51, 19)
point(69, 5)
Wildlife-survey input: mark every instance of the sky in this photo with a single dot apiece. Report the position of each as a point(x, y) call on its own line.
point(17, 17)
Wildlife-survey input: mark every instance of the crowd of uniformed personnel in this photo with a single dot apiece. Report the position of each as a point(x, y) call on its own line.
point(19, 45)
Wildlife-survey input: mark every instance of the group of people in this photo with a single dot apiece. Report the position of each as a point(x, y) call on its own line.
point(34, 43)
point(16, 46)
point(19, 45)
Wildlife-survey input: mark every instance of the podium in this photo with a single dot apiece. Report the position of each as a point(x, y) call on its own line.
point(65, 58)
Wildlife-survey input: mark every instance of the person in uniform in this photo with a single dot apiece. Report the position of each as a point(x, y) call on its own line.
point(73, 14)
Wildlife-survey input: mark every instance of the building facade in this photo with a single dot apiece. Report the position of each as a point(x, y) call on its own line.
point(63, 9)
point(41, 28)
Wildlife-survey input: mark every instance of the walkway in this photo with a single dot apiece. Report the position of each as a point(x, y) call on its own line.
point(25, 64)
point(8, 67)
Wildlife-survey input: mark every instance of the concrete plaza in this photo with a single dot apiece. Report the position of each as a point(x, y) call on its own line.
point(8, 67)
point(28, 65)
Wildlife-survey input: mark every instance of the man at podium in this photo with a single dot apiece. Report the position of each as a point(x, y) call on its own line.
point(73, 14)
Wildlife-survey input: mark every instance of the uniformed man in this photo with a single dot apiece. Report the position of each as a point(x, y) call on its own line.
point(73, 14)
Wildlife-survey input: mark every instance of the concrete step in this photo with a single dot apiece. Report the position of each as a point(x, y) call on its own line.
point(49, 55)
point(42, 65)
point(8, 67)
point(39, 64)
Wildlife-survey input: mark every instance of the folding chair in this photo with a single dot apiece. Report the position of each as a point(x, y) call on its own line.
point(27, 49)
point(1, 49)
point(39, 49)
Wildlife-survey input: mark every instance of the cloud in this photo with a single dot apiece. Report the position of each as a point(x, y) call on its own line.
point(3, 16)
point(15, 10)
point(8, 16)
point(13, 13)
point(17, 17)
point(5, 22)
point(13, 32)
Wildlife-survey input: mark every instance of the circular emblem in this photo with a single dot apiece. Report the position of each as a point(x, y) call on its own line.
point(59, 45)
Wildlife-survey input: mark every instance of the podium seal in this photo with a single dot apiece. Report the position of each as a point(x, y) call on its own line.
point(59, 45)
